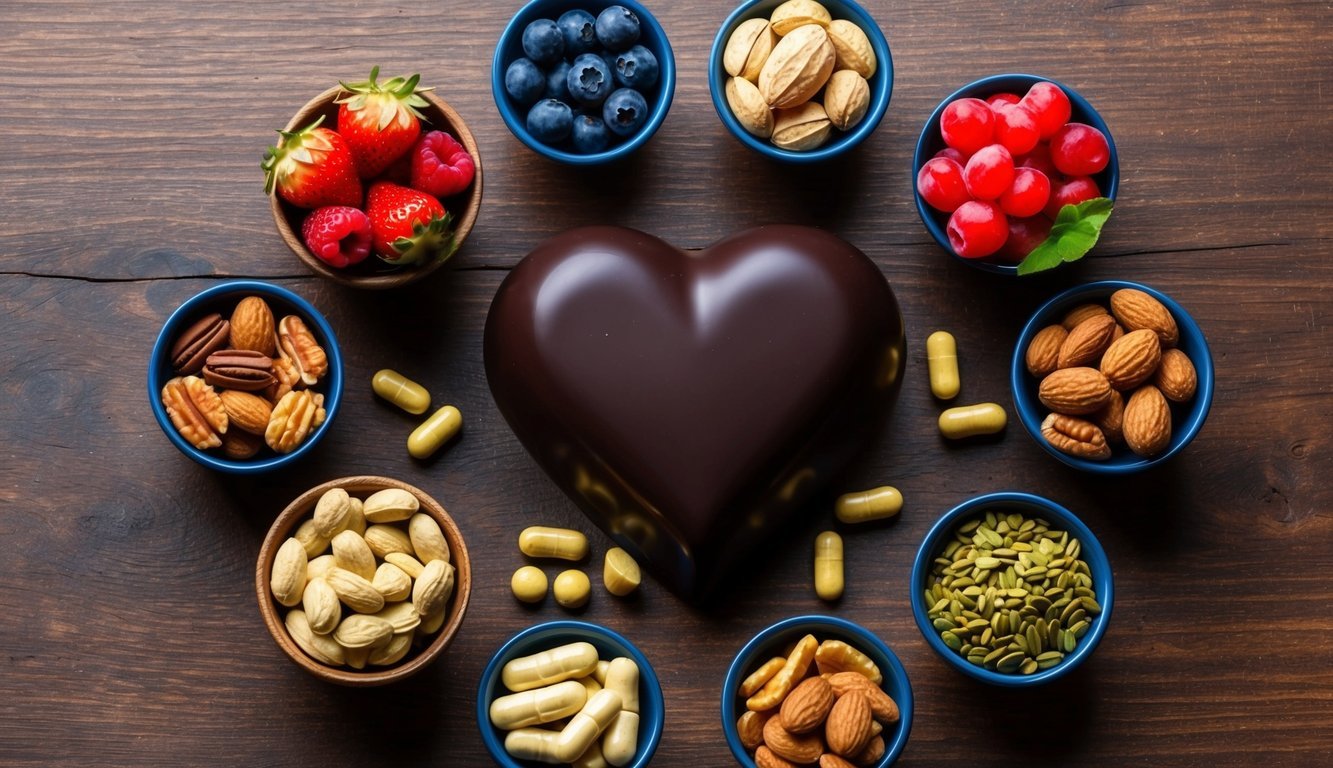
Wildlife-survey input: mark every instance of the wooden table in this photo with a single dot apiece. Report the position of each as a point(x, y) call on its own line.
point(131, 136)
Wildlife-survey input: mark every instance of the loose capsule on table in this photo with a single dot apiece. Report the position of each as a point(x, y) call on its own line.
point(971, 420)
point(942, 362)
point(528, 584)
point(874, 504)
point(434, 432)
point(572, 588)
point(828, 566)
point(401, 391)
point(561, 543)
point(620, 573)
point(552, 666)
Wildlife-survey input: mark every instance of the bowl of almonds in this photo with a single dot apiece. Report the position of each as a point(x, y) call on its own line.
point(800, 81)
point(816, 690)
point(363, 580)
point(1112, 377)
point(245, 377)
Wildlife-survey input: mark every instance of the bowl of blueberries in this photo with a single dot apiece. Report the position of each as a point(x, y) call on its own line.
point(583, 83)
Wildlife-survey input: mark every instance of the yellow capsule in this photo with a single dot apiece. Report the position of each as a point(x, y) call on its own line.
point(533, 744)
point(828, 566)
point(539, 705)
point(620, 573)
point(561, 543)
point(572, 588)
point(942, 362)
point(556, 665)
point(971, 420)
point(434, 432)
point(622, 676)
point(401, 391)
point(587, 725)
point(874, 504)
point(528, 584)
point(621, 739)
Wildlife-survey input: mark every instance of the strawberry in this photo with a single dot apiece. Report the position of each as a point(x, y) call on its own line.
point(408, 226)
point(311, 168)
point(380, 121)
point(440, 165)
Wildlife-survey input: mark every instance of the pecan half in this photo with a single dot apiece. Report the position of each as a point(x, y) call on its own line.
point(1075, 437)
point(206, 336)
point(196, 411)
point(298, 345)
point(241, 369)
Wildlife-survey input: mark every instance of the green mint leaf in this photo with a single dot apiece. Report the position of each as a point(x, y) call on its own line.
point(1073, 234)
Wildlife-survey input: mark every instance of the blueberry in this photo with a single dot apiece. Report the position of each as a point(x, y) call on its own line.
point(579, 31)
point(617, 28)
point(590, 135)
point(549, 121)
point(589, 80)
point(557, 82)
point(625, 111)
point(524, 82)
point(542, 42)
point(636, 68)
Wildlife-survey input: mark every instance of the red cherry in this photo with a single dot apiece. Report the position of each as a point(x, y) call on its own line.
point(940, 182)
point(977, 229)
point(1028, 195)
point(967, 125)
point(1016, 129)
point(1079, 150)
point(1050, 105)
point(1070, 192)
point(989, 172)
point(953, 154)
point(1024, 236)
point(1000, 101)
point(1040, 159)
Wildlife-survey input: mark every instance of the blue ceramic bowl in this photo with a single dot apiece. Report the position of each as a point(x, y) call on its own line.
point(510, 48)
point(542, 637)
point(1029, 506)
point(223, 298)
point(930, 142)
point(772, 641)
point(881, 83)
point(1187, 418)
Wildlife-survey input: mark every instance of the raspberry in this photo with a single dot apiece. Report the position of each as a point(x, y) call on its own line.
point(977, 229)
point(967, 125)
point(989, 172)
point(1028, 195)
point(440, 165)
point(1070, 192)
point(1050, 105)
point(338, 234)
point(1079, 150)
point(940, 183)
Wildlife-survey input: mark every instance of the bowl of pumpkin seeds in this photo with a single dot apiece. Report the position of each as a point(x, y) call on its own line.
point(1011, 589)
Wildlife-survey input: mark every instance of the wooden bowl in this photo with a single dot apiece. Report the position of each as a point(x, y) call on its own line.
point(372, 273)
point(301, 509)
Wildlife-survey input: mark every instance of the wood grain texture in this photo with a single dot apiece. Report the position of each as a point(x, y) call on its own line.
point(130, 181)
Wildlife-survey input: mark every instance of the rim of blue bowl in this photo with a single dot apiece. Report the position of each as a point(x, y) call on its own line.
point(929, 142)
point(533, 640)
point(159, 372)
point(516, 123)
point(1192, 342)
point(1093, 554)
point(881, 83)
point(865, 641)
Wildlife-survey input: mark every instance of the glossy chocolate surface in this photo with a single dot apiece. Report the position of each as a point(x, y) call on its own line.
point(688, 402)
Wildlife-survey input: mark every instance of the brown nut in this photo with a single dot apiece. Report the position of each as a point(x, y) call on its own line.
point(1080, 313)
point(240, 369)
point(247, 412)
point(748, 48)
point(1043, 352)
point(749, 107)
point(298, 345)
point(1176, 376)
point(1147, 421)
point(852, 48)
point(1086, 342)
point(764, 758)
point(207, 335)
point(846, 99)
point(252, 326)
point(756, 679)
point(1132, 359)
point(873, 752)
point(196, 411)
point(794, 14)
point(799, 66)
point(295, 416)
point(806, 707)
point(239, 445)
point(801, 128)
point(849, 727)
point(285, 376)
point(750, 728)
point(1075, 437)
point(1136, 310)
point(882, 706)
point(830, 760)
point(1111, 418)
point(793, 669)
point(798, 748)
point(837, 656)
point(1074, 391)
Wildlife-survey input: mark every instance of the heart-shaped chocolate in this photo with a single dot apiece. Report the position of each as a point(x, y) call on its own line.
point(687, 402)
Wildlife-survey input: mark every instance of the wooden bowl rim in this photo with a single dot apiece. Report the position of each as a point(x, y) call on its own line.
point(297, 511)
point(462, 225)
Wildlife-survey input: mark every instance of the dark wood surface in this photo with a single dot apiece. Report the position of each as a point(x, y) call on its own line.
point(131, 134)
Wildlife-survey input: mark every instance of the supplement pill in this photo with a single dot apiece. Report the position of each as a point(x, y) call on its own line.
point(621, 739)
point(401, 391)
point(561, 543)
point(537, 706)
point(874, 504)
point(942, 362)
point(587, 725)
point(434, 432)
point(622, 676)
point(533, 744)
point(528, 584)
point(572, 589)
point(556, 665)
point(971, 420)
point(620, 573)
point(828, 566)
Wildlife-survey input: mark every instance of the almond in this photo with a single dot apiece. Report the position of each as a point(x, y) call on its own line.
point(750, 728)
point(794, 14)
point(846, 99)
point(1137, 310)
point(1132, 359)
point(806, 707)
point(240, 445)
point(252, 326)
point(355, 592)
point(246, 411)
point(287, 579)
point(433, 587)
point(351, 553)
point(1147, 421)
point(801, 128)
point(801, 749)
point(391, 581)
point(332, 512)
point(1075, 437)
point(882, 706)
point(830, 760)
point(390, 505)
point(321, 606)
point(323, 649)
point(384, 539)
point(362, 631)
point(848, 728)
point(872, 754)
point(852, 48)
point(1074, 391)
point(799, 66)
point(748, 48)
point(764, 758)
point(1043, 352)
point(749, 108)
point(1175, 376)
point(1111, 418)
point(1086, 342)
point(1080, 313)
point(427, 538)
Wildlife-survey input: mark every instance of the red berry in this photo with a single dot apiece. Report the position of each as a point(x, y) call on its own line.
point(989, 172)
point(408, 226)
point(952, 154)
point(967, 125)
point(1070, 192)
point(1016, 129)
point(1000, 101)
point(1024, 236)
point(1040, 159)
point(440, 165)
point(940, 182)
point(1079, 150)
point(338, 234)
point(977, 229)
point(1050, 105)
point(1028, 194)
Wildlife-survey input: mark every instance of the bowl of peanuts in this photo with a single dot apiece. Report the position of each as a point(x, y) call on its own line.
point(572, 693)
point(363, 580)
point(816, 690)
